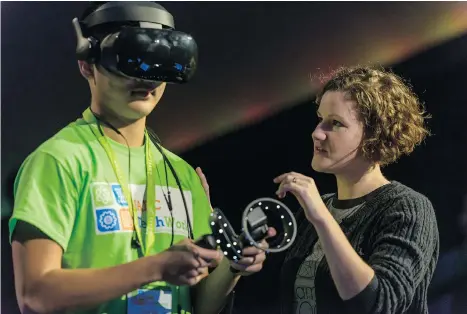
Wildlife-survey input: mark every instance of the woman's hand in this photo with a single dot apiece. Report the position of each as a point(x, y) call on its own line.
point(305, 191)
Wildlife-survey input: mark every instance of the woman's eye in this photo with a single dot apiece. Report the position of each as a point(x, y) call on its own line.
point(336, 123)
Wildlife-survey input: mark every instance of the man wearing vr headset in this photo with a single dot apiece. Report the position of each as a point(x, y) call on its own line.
point(85, 198)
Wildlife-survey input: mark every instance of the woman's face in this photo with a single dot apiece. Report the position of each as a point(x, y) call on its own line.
point(338, 135)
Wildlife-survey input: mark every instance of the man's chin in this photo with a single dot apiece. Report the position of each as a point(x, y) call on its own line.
point(142, 108)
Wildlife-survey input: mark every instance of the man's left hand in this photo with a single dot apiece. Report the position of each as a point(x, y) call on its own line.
point(253, 257)
point(204, 183)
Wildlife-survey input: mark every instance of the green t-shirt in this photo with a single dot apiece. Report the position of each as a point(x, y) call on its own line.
point(67, 188)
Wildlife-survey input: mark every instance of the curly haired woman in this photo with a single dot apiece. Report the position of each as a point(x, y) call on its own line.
point(371, 247)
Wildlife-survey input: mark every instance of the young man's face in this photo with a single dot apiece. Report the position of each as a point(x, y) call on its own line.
point(124, 97)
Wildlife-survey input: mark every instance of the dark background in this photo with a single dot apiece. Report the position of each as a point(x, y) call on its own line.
point(249, 113)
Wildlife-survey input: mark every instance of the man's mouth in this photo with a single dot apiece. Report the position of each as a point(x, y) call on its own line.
point(141, 93)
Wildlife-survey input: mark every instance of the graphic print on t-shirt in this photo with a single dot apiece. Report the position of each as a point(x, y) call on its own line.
point(305, 282)
point(112, 214)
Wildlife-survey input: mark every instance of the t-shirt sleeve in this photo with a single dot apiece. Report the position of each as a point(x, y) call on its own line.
point(46, 197)
point(201, 207)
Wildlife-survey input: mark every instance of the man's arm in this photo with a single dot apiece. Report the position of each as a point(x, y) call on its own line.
point(211, 293)
point(43, 287)
point(47, 193)
point(46, 197)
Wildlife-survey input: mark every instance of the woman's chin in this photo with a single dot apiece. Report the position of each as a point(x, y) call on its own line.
point(320, 165)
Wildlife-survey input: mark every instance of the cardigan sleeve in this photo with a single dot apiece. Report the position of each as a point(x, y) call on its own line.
point(402, 247)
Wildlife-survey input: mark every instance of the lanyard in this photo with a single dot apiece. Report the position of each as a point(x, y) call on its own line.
point(150, 184)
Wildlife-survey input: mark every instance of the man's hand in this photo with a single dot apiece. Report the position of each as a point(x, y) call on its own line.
point(186, 263)
point(212, 292)
point(253, 259)
point(204, 182)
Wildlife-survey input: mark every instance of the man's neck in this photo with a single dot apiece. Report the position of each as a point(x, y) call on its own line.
point(129, 133)
point(358, 184)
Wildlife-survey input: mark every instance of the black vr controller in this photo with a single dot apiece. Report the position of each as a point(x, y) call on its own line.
point(256, 217)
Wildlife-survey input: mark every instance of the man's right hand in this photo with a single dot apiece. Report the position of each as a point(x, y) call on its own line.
point(186, 263)
point(42, 286)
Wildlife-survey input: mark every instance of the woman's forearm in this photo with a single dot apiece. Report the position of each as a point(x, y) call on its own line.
point(62, 289)
point(349, 272)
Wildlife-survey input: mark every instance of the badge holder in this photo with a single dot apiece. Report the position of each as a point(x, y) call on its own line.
point(157, 300)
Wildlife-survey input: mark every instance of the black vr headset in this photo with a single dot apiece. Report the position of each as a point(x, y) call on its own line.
point(153, 51)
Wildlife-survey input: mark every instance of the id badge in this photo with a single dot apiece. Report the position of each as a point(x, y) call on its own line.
point(150, 301)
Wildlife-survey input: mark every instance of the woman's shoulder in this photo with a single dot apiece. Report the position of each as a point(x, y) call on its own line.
point(403, 204)
point(401, 196)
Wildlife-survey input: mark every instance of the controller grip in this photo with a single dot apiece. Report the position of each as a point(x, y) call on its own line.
point(207, 241)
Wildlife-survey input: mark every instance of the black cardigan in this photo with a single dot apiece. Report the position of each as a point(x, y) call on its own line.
point(396, 234)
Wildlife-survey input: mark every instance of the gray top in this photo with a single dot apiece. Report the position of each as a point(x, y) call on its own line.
point(304, 289)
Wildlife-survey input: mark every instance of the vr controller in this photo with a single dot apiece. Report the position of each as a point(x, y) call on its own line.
point(256, 219)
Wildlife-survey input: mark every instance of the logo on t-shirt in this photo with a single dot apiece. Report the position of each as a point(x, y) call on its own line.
point(112, 214)
point(101, 195)
point(107, 220)
point(119, 196)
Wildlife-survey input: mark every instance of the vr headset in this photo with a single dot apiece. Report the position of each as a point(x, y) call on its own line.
point(153, 51)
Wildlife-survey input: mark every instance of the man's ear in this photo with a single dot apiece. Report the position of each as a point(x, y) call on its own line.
point(86, 69)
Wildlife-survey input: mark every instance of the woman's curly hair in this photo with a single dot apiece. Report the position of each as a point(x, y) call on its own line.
point(391, 113)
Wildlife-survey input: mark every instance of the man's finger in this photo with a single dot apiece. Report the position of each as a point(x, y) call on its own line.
point(216, 262)
point(245, 262)
point(251, 260)
point(271, 232)
point(203, 272)
point(201, 175)
point(254, 268)
point(209, 255)
point(251, 251)
point(204, 183)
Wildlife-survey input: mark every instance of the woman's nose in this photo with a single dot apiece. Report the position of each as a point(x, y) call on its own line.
point(318, 134)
